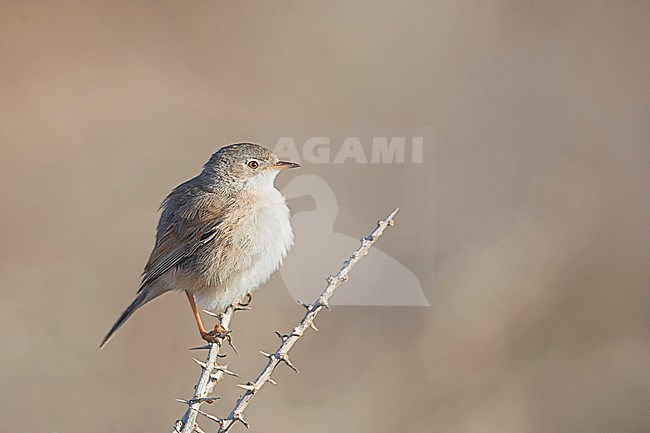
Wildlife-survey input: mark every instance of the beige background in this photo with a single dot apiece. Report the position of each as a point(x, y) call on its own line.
point(527, 227)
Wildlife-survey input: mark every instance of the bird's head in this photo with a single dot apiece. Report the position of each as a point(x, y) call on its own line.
point(244, 163)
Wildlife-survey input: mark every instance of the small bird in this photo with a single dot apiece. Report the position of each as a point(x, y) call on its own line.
point(220, 235)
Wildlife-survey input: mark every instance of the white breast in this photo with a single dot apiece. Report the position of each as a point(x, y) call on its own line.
point(271, 239)
point(268, 230)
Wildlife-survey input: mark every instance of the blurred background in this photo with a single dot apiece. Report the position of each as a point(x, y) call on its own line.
point(526, 223)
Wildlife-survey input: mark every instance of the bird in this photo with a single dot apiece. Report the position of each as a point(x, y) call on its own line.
point(220, 235)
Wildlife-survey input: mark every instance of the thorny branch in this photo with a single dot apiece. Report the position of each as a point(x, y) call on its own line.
point(211, 372)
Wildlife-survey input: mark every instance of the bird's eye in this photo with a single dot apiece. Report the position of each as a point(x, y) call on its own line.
point(253, 164)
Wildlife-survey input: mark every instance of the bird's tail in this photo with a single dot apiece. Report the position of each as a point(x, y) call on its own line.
point(143, 297)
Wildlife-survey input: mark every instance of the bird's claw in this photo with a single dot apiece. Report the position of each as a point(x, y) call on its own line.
point(246, 300)
point(216, 335)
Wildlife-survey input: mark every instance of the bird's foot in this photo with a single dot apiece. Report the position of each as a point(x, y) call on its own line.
point(216, 335)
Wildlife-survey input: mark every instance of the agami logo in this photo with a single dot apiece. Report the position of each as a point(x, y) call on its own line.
point(323, 150)
point(378, 280)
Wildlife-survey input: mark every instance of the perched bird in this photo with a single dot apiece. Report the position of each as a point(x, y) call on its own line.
point(220, 235)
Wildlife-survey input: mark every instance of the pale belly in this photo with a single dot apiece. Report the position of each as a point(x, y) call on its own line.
point(268, 230)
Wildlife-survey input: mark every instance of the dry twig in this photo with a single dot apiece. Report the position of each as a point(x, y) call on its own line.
point(211, 372)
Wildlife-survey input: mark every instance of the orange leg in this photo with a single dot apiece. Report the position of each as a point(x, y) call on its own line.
point(197, 316)
point(210, 337)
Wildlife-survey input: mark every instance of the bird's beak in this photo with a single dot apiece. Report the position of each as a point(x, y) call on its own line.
point(283, 165)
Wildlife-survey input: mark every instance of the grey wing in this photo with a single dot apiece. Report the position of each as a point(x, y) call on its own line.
point(193, 227)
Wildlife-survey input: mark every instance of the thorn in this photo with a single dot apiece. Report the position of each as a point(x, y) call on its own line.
point(282, 337)
point(239, 417)
point(271, 381)
point(207, 346)
point(312, 326)
point(324, 303)
point(285, 358)
point(391, 223)
point(180, 400)
point(306, 305)
point(213, 314)
point(224, 369)
point(202, 364)
point(210, 417)
point(220, 355)
point(241, 308)
point(249, 387)
point(230, 343)
point(268, 355)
